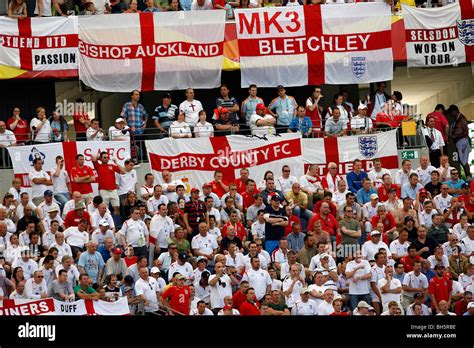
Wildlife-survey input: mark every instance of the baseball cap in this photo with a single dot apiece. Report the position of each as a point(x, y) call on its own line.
point(80, 205)
point(48, 193)
point(24, 248)
point(104, 222)
point(392, 190)
point(182, 256)
point(224, 110)
point(127, 288)
point(201, 258)
point(166, 95)
point(260, 106)
point(423, 192)
point(418, 295)
point(179, 276)
point(194, 189)
point(207, 186)
point(205, 274)
point(324, 255)
point(120, 119)
point(470, 305)
point(276, 198)
point(304, 291)
point(438, 267)
point(154, 270)
point(117, 251)
point(363, 304)
point(373, 233)
point(280, 87)
point(53, 209)
point(374, 196)
point(362, 106)
point(465, 186)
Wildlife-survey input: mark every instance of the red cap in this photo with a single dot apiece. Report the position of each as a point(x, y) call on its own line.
point(117, 251)
point(206, 185)
point(423, 192)
point(260, 106)
point(194, 189)
point(224, 110)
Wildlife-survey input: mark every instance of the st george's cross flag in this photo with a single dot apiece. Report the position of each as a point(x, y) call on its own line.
point(312, 45)
point(152, 51)
point(441, 36)
point(39, 44)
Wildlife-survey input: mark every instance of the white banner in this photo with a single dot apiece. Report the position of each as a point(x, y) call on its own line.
point(312, 45)
point(152, 51)
point(37, 44)
point(22, 156)
point(441, 36)
point(90, 307)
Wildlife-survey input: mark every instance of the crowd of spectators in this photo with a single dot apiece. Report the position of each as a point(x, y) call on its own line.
point(47, 8)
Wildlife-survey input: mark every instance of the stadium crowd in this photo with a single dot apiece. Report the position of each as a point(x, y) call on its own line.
point(46, 8)
point(369, 243)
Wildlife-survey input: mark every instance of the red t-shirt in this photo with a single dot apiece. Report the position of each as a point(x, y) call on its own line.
point(130, 261)
point(217, 188)
point(440, 287)
point(460, 307)
point(78, 126)
point(248, 308)
point(241, 187)
point(179, 298)
point(21, 131)
point(340, 314)
point(393, 121)
point(467, 201)
point(383, 192)
point(388, 222)
point(289, 228)
point(332, 207)
point(106, 175)
point(72, 219)
point(76, 172)
point(407, 263)
point(238, 299)
point(248, 199)
point(240, 230)
point(329, 225)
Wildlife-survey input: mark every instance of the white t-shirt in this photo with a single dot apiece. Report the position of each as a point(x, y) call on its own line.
point(424, 175)
point(413, 281)
point(180, 129)
point(260, 130)
point(46, 11)
point(207, 312)
point(98, 137)
point(185, 270)
point(295, 294)
point(258, 230)
point(127, 182)
point(60, 181)
point(399, 249)
point(195, 7)
point(37, 190)
point(388, 297)
point(259, 280)
point(7, 138)
point(362, 286)
point(305, 308)
point(286, 184)
point(191, 108)
point(100, 6)
point(222, 289)
point(325, 308)
point(134, 232)
point(205, 244)
point(116, 134)
point(148, 288)
point(161, 227)
point(376, 177)
point(34, 290)
point(442, 203)
point(76, 238)
point(44, 134)
point(205, 130)
point(237, 261)
point(248, 265)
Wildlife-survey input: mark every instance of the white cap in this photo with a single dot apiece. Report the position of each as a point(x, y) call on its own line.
point(104, 222)
point(120, 119)
point(323, 255)
point(374, 196)
point(154, 270)
point(470, 305)
point(362, 106)
point(373, 233)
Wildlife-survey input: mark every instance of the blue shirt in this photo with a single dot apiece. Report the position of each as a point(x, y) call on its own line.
point(295, 243)
point(301, 125)
point(91, 264)
point(185, 4)
point(285, 109)
point(363, 196)
point(455, 185)
point(409, 191)
point(104, 252)
point(354, 181)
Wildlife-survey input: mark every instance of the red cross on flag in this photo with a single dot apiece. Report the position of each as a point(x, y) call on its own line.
point(152, 51)
point(39, 44)
point(301, 45)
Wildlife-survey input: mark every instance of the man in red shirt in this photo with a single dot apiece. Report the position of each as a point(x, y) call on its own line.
point(19, 127)
point(177, 296)
point(460, 307)
point(241, 182)
point(337, 305)
point(75, 216)
point(327, 197)
point(387, 185)
point(81, 120)
point(248, 196)
point(292, 219)
point(239, 297)
point(106, 179)
point(250, 306)
point(81, 178)
point(328, 222)
point(408, 260)
point(240, 230)
point(219, 186)
point(440, 288)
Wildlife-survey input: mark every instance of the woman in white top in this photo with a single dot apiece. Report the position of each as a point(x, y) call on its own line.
point(179, 128)
point(203, 129)
point(396, 105)
point(17, 9)
point(40, 127)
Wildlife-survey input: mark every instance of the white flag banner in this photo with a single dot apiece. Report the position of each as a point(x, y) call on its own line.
point(195, 160)
point(152, 51)
point(39, 43)
point(90, 307)
point(441, 36)
point(312, 45)
point(22, 156)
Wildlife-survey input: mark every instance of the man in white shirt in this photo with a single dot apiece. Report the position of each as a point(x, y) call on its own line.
point(402, 175)
point(156, 200)
point(119, 132)
point(362, 123)
point(127, 181)
point(399, 247)
point(261, 123)
point(40, 180)
point(414, 283)
point(221, 286)
point(293, 284)
point(286, 180)
point(443, 200)
point(376, 174)
point(182, 267)
point(191, 107)
point(358, 273)
point(135, 233)
point(258, 278)
point(434, 141)
point(325, 307)
point(70, 268)
point(204, 244)
point(161, 231)
point(36, 287)
point(201, 5)
point(28, 265)
point(102, 213)
point(305, 305)
point(467, 243)
point(424, 170)
point(64, 249)
point(7, 137)
point(94, 132)
point(146, 288)
point(390, 288)
point(102, 233)
point(444, 169)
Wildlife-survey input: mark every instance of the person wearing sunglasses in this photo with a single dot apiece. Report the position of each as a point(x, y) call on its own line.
point(36, 287)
